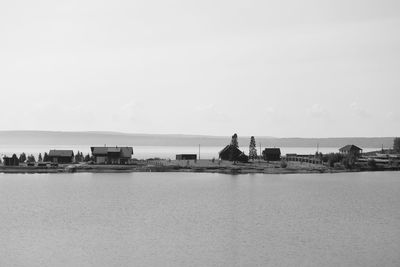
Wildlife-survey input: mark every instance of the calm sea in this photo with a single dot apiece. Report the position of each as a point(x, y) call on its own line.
point(145, 152)
point(192, 219)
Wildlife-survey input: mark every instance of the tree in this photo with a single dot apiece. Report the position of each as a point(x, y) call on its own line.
point(234, 141)
point(234, 144)
point(31, 158)
point(14, 158)
point(252, 149)
point(396, 145)
point(40, 159)
point(79, 157)
point(45, 157)
point(87, 158)
point(22, 157)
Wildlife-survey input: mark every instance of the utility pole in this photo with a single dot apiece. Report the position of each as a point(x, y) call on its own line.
point(199, 151)
point(259, 159)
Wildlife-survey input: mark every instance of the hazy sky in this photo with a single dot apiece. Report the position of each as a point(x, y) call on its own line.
point(284, 68)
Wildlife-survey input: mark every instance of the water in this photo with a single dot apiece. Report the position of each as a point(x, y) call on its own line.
point(145, 152)
point(189, 219)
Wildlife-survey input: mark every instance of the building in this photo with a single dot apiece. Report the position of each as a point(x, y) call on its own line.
point(112, 155)
point(61, 156)
point(233, 153)
point(351, 150)
point(11, 161)
point(186, 157)
point(272, 154)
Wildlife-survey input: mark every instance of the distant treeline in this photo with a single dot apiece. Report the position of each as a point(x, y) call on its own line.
point(110, 138)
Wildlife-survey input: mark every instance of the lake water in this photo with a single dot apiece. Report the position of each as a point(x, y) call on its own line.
point(193, 219)
point(145, 152)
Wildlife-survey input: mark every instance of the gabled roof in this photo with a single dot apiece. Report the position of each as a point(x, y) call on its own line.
point(229, 148)
point(224, 149)
point(348, 148)
point(233, 153)
point(125, 152)
point(61, 153)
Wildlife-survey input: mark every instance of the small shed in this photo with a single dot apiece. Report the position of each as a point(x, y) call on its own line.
point(272, 154)
point(11, 161)
point(61, 156)
point(350, 150)
point(232, 153)
point(186, 157)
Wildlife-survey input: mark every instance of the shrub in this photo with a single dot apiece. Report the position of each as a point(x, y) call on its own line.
point(372, 164)
point(332, 158)
point(396, 145)
point(349, 161)
point(283, 164)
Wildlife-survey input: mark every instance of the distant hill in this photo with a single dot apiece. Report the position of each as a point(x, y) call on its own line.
point(115, 138)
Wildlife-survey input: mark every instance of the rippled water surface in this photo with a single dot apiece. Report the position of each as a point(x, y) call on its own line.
point(188, 219)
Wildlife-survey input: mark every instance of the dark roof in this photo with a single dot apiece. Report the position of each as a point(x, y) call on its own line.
point(113, 149)
point(229, 148)
point(61, 153)
point(102, 150)
point(232, 153)
point(349, 148)
point(276, 151)
point(125, 152)
point(13, 157)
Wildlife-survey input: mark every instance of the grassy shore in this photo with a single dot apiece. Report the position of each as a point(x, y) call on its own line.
point(206, 166)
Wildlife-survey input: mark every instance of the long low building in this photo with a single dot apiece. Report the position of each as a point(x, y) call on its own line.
point(112, 155)
point(186, 157)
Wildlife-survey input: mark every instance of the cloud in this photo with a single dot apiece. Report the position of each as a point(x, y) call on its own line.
point(359, 111)
point(271, 110)
point(132, 111)
point(212, 113)
point(393, 116)
point(275, 116)
point(318, 111)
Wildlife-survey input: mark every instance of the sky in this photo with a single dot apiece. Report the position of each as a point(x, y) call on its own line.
point(284, 68)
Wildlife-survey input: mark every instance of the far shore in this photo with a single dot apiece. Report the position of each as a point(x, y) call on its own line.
point(199, 166)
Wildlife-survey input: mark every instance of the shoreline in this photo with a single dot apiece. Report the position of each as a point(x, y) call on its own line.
point(200, 166)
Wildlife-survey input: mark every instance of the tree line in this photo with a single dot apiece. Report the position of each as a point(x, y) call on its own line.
point(79, 157)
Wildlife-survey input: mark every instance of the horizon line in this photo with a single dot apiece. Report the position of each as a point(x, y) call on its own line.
point(187, 135)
